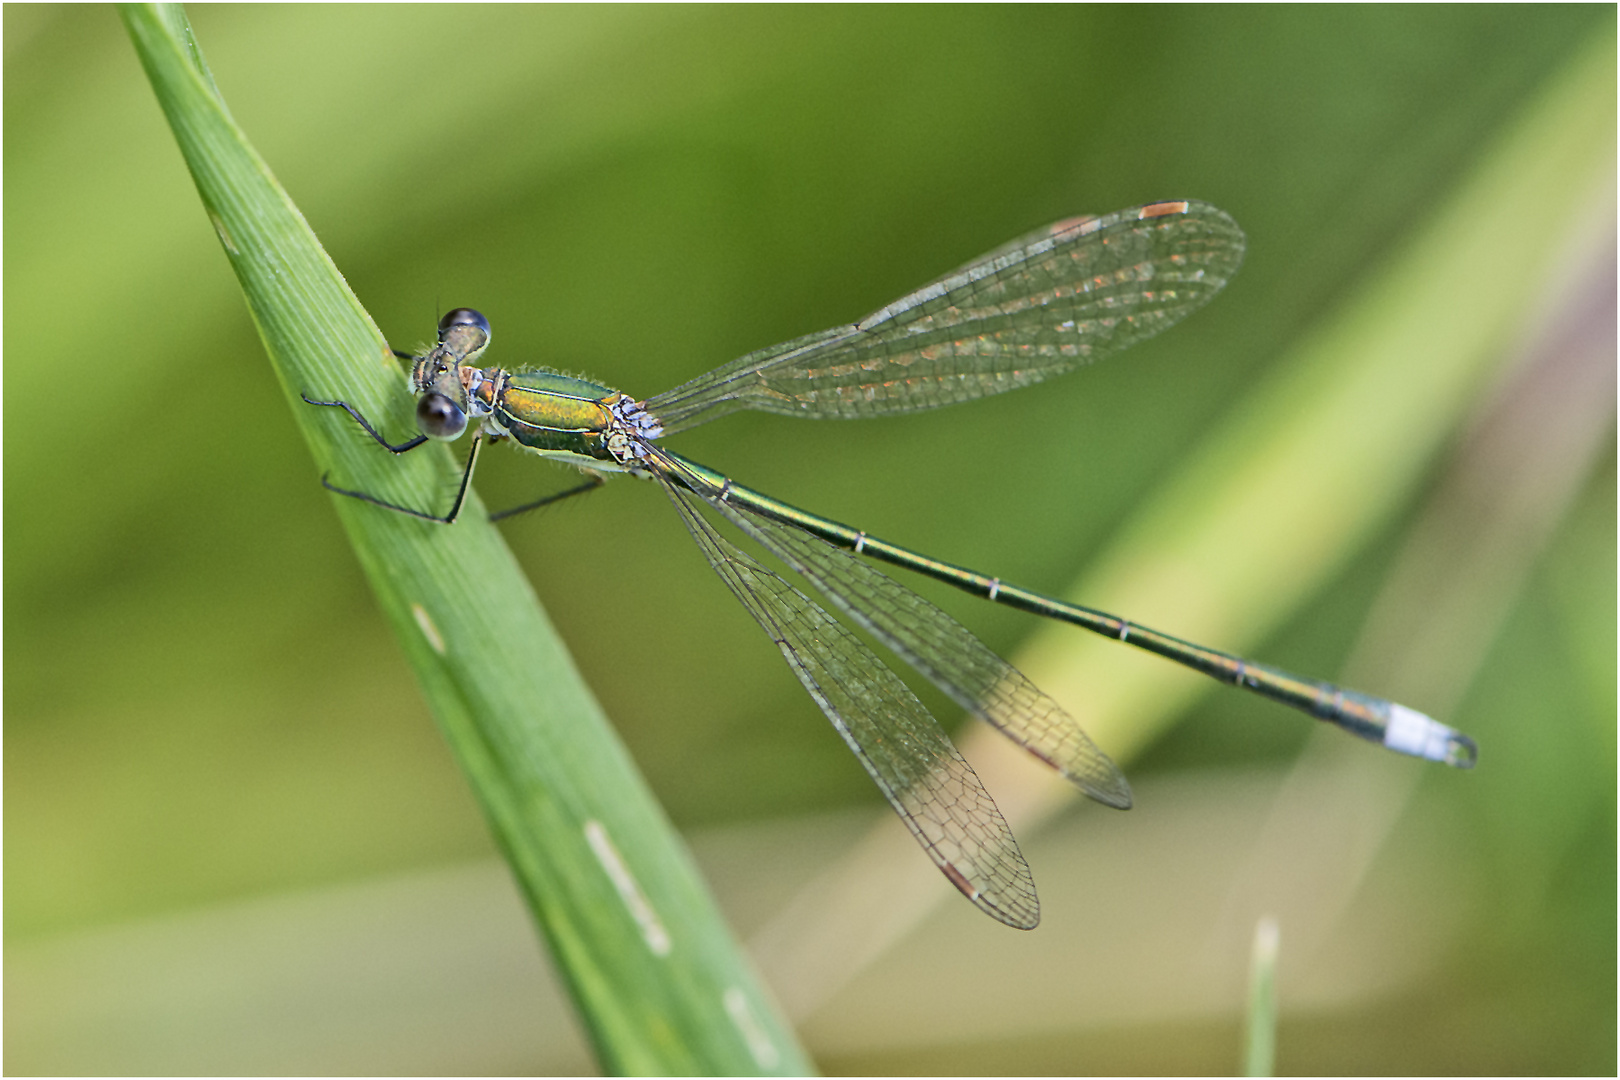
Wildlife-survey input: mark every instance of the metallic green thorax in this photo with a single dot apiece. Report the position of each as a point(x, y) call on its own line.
point(554, 415)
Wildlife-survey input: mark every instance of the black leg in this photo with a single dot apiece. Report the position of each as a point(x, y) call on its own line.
point(447, 519)
point(593, 481)
point(409, 444)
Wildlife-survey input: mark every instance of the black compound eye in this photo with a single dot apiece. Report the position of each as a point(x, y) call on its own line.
point(462, 316)
point(440, 418)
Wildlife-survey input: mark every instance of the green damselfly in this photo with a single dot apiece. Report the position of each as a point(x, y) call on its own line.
point(1042, 305)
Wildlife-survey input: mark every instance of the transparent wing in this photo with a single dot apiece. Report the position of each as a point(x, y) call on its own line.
point(944, 651)
point(1064, 296)
point(929, 784)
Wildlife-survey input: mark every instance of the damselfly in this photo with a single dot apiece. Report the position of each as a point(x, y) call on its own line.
point(1058, 298)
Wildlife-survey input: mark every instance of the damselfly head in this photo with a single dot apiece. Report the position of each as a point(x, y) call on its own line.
point(443, 374)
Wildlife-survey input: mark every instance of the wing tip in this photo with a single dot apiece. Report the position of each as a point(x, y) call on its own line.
point(1023, 915)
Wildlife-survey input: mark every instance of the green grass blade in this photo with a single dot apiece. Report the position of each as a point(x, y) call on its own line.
point(660, 983)
point(1260, 1043)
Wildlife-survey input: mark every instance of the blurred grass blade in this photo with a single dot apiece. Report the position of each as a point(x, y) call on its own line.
point(657, 978)
point(1260, 1044)
point(1327, 449)
point(1280, 496)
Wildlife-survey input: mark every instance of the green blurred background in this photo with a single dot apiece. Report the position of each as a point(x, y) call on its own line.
point(204, 712)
